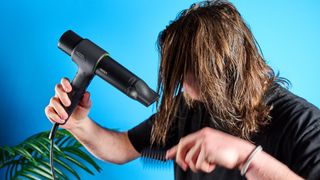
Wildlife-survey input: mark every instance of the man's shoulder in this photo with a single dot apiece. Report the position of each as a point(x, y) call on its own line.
point(293, 133)
point(288, 105)
point(293, 119)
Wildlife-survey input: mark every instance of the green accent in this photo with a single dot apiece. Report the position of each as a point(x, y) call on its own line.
point(103, 56)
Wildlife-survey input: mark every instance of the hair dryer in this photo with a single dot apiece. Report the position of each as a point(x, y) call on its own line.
point(93, 60)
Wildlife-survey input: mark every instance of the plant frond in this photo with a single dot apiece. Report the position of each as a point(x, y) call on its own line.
point(78, 163)
point(78, 152)
point(29, 159)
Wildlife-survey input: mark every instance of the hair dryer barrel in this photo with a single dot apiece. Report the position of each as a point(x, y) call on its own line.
point(124, 80)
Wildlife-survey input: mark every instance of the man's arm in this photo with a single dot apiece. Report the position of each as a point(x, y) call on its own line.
point(264, 166)
point(204, 149)
point(105, 144)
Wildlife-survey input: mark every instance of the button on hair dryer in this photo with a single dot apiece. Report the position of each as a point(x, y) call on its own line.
point(93, 60)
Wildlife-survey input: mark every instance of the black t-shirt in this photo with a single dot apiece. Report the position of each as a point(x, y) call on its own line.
point(292, 137)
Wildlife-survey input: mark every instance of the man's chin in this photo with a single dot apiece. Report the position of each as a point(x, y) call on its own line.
point(189, 100)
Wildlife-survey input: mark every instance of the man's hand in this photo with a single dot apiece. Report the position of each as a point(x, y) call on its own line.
point(204, 149)
point(56, 112)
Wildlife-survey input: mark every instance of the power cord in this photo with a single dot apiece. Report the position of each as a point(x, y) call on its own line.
point(51, 138)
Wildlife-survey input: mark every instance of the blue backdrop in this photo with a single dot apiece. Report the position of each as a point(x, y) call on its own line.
point(31, 64)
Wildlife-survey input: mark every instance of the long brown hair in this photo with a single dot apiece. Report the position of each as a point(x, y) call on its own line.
point(211, 41)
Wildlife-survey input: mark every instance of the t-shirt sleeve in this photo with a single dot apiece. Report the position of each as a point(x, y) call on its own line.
point(139, 136)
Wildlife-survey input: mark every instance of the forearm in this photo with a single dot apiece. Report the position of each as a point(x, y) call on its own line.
point(105, 144)
point(265, 167)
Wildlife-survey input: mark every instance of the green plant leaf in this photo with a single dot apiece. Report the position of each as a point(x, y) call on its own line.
point(47, 141)
point(76, 162)
point(83, 155)
point(9, 150)
point(41, 144)
point(29, 159)
point(48, 168)
point(24, 153)
point(65, 141)
point(36, 147)
point(8, 164)
point(27, 175)
point(37, 171)
point(4, 157)
point(67, 167)
point(12, 168)
point(59, 140)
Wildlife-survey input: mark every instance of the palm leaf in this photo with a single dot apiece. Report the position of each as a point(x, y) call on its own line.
point(67, 167)
point(47, 167)
point(28, 176)
point(76, 162)
point(29, 159)
point(83, 156)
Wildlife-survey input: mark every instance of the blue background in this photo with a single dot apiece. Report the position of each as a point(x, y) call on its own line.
point(31, 64)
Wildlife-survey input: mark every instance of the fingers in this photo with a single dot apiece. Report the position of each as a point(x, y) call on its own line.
point(58, 108)
point(62, 95)
point(192, 156)
point(52, 115)
point(55, 111)
point(182, 148)
point(171, 153)
point(202, 163)
point(66, 85)
point(191, 152)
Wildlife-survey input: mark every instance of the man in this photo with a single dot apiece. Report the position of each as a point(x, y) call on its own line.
point(220, 103)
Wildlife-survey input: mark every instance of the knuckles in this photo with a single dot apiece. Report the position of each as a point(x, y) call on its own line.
point(205, 131)
point(52, 100)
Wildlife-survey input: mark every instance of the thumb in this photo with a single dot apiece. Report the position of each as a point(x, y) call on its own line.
point(171, 153)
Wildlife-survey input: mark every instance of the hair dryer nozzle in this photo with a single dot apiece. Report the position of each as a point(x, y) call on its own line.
point(68, 41)
point(145, 95)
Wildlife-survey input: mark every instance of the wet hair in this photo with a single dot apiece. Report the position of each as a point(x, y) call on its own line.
point(211, 41)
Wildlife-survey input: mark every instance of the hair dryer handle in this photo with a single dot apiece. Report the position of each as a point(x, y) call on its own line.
point(79, 85)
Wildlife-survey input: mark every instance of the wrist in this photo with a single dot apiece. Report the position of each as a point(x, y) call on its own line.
point(246, 149)
point(249, 160)
point(78, 125)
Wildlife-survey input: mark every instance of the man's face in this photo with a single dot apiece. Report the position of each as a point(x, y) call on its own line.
point(191, 90)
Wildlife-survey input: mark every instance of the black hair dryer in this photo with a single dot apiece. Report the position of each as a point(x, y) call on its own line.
point(93, 60)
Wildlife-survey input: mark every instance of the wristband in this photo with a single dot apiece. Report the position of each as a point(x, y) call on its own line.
point(246, 165)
